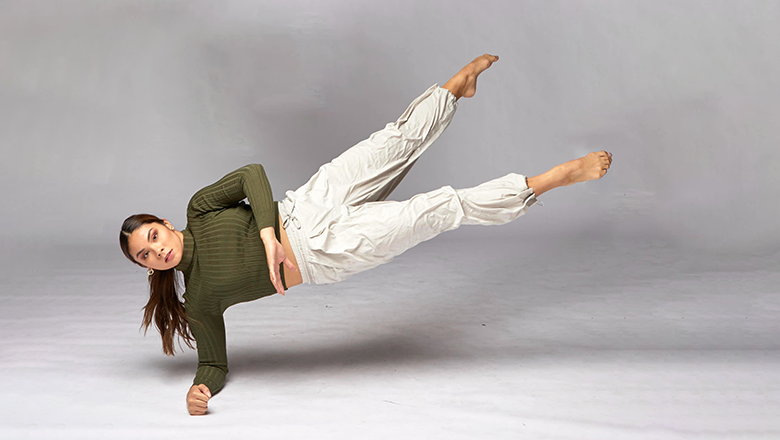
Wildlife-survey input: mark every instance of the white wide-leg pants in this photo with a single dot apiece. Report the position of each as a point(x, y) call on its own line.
point(339, 223)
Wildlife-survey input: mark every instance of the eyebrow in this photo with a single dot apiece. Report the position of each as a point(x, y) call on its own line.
point(148, 237)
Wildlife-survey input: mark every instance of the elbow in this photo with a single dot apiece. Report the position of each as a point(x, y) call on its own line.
point(254, 168)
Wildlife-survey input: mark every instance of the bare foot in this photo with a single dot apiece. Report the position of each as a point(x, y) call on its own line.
point(591, 167)
point(464, 83)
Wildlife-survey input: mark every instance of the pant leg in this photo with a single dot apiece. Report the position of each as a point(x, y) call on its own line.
point(370, 170)
point(359, 237)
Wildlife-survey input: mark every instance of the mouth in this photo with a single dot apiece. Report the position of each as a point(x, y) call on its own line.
point(168, 257)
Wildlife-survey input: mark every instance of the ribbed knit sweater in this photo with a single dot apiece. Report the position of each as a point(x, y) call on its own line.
point(224, 261)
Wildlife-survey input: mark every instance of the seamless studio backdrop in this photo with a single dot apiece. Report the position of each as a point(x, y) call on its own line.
point(640, 306)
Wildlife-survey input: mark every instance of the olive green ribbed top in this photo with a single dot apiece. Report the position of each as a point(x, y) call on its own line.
point(224, 261)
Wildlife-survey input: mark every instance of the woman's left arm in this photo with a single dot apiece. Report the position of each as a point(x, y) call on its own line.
point(248, 182)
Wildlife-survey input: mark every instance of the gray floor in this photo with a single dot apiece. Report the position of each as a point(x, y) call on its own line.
point(466, 336)
point(593, 318)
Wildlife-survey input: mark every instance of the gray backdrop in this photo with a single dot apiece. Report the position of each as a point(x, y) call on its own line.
point(641, 306)
point(113, 108)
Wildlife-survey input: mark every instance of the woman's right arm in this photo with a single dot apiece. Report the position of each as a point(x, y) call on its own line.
point(209, 332)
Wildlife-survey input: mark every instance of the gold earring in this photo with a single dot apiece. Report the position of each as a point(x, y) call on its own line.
point(150, 272)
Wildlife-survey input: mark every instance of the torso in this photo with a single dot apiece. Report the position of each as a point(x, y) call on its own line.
point(291, 278)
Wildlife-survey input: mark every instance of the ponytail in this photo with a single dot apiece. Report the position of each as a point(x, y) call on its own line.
point(166, 311)
point(164, 308)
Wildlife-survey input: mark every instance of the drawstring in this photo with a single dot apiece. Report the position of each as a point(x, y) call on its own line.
point(532, 192)
point(292, 217)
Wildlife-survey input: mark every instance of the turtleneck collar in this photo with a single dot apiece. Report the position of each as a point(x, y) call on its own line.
point(189, 251)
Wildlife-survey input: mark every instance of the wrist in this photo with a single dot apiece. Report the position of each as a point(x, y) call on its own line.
point(268, 233)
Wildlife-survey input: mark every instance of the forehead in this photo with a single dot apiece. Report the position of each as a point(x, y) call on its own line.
point(139, 238)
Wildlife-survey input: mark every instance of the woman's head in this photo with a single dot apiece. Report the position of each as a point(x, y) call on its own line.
point(151, 242)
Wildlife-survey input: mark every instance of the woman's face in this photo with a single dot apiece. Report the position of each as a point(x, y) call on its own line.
point(156, 246)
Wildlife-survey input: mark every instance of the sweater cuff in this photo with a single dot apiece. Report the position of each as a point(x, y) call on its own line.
point(212, 377)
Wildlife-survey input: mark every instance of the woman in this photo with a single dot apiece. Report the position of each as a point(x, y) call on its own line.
point(335, 225)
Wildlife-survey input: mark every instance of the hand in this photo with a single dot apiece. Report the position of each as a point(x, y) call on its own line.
point(198, 399)
point(274, 252)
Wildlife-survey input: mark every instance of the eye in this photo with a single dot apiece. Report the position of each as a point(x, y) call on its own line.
point(145, 255)
point(154, 237)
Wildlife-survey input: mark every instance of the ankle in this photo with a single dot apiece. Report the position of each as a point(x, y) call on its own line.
point(560, 175)
point(456, 85)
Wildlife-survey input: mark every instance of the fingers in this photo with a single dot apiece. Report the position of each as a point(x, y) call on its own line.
point(276, 256)
point(197, 399)
point(272, 272)
point(275, 279)
point(197, 408)
point(196, 395)
point(205, 390)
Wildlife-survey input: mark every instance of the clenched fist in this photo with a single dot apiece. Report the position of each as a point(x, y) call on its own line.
point(198, 399)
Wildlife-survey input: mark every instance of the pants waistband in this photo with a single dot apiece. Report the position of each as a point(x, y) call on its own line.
point(296, 236)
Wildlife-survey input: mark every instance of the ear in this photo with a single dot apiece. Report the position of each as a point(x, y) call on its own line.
point(170, 226)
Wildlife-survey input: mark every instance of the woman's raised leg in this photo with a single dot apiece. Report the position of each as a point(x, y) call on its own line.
point(371, 170)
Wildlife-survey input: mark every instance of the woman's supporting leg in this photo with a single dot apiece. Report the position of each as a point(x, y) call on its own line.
point(591, 167)
point(353, 239)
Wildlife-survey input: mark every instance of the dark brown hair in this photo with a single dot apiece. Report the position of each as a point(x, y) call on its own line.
point(164, 307)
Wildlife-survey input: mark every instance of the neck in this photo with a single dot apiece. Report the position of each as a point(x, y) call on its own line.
point(181, 237)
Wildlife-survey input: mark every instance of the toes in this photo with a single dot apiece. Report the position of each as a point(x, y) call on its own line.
point(490, 58)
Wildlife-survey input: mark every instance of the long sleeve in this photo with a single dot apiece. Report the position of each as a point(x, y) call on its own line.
point(226, 263)
point(209, 332)
point(248, 182)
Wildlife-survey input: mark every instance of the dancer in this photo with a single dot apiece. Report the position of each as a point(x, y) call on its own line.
point(335, 225)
